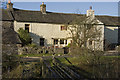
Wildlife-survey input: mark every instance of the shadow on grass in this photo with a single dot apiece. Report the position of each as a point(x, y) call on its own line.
point(83, 74)
point(68, 60)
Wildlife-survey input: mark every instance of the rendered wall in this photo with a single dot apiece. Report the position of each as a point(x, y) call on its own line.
point(44, 30)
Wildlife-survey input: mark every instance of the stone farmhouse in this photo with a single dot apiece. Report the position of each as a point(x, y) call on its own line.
point(48, 28)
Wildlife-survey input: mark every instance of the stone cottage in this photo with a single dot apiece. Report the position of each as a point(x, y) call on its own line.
point(48, 28)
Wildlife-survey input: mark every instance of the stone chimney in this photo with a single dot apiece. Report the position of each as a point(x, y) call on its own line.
point(43, 8)
point(90, 12)
point(9, 5)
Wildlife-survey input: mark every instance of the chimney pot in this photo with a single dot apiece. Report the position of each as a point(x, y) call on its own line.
point(90, 7)
point(9, 1)
point(9, 5)
point(43, 8)
point(90, 12)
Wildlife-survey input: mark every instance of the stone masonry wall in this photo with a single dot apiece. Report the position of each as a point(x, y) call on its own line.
point(39, 50)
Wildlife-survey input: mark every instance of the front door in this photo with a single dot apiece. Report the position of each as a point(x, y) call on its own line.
point(42, 41)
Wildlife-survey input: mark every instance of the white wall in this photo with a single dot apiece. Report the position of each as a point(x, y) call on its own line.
point(98, 45)
point(49, 31)
point(44, 30)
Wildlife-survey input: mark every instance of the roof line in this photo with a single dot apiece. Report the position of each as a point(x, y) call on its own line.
point(64, 13)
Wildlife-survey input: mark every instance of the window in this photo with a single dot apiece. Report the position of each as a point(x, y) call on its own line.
point(27, 27)
point(65, 41)
point(63, 28)
point(71, 41)
point(90, 42)
point(61, 41)
point(42, 41)
point(55, 41)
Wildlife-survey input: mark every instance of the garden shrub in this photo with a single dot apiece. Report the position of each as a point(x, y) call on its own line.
point(24, 36)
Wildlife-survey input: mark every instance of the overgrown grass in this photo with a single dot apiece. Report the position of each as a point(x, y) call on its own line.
point(111, 57)
point(35, 55)
point(64, 61)
point(108, 67)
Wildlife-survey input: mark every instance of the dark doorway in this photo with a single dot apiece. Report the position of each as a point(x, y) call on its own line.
point(66, 50)
point(42, 41)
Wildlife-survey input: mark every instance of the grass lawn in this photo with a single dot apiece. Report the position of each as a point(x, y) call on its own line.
point(108, 68)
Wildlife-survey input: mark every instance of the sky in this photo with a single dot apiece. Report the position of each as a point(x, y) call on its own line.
point(66, 0)
point(100, 8)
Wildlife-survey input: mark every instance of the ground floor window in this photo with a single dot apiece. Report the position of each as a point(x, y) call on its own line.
point(42, 41)
point(65, 41)
point(55, 41)
point(61, 41)
point(90, 42)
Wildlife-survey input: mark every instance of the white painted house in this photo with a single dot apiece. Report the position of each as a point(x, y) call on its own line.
point(48, 28)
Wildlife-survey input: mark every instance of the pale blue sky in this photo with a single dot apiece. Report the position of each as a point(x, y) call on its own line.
point(101, 8)
point(65, 0)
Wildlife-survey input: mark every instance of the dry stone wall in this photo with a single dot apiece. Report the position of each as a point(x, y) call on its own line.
point(39, 50)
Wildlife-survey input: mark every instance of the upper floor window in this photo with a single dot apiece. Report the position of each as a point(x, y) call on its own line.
point(63, 28)
point(27, 27)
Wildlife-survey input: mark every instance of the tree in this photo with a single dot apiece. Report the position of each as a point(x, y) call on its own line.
point(84, 29)
point(24, 36)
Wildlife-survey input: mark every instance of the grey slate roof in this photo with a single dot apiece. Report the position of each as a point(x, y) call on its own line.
point(6, 16)
point(9, 36)
point(55, 18)
point(109, 20)
point(49, 17)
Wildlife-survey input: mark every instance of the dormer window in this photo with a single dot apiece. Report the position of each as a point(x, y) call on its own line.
point(63, 28)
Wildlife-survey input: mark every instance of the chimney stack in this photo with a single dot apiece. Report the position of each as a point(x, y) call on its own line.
point(43, 8)
point(90, 12)
point(9, 5)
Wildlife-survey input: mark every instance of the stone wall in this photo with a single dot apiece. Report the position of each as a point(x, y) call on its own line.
point(39, 50)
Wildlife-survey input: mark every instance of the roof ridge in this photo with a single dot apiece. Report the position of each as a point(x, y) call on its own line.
point(105, 16)
point(49, 12)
